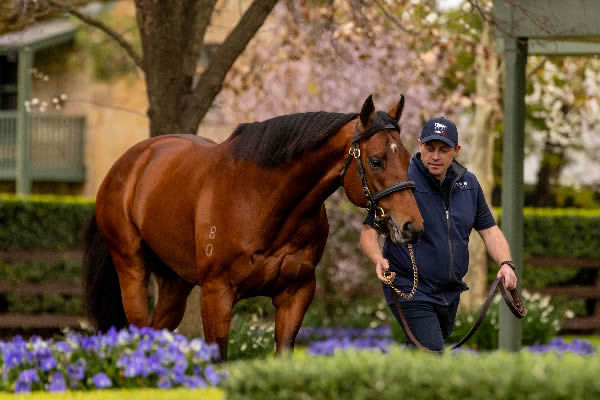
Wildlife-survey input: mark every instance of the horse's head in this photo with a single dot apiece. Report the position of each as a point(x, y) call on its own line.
point(382, 166)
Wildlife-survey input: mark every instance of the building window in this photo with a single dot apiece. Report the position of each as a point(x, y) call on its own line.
point(8, 81)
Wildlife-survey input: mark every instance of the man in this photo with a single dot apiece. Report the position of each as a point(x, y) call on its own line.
point(452, 203)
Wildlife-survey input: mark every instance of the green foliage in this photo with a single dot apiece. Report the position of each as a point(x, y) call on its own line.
point(251, 333)
point(43, 222)
point(67, 272)
point(109, 60)
point(349, 312)
point(401, 374)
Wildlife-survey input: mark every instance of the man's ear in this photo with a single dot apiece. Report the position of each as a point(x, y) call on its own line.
point(396, 111)
point(367, 111)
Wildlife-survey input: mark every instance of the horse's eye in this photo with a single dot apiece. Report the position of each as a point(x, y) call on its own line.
point(375, 162)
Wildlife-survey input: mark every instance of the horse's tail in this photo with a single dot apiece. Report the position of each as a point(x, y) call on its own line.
point(101, 283)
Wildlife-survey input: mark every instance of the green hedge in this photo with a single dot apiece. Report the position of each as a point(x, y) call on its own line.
point(43, 222)
point(404, 374)
point(56, 222)
point(560, 232)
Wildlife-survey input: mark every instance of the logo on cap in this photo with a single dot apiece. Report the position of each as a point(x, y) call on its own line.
point(440, 129)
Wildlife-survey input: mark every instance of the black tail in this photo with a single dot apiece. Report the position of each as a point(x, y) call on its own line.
point(101, 291)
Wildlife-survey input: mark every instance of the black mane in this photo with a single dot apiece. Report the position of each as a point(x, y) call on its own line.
point(282, 139)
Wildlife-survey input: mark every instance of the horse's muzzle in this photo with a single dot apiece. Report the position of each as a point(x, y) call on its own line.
point(407, 235)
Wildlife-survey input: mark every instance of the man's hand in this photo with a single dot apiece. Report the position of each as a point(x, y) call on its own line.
point(382, 266)
point(510, 279)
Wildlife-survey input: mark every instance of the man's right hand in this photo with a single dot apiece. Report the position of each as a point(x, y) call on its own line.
point(382, 266)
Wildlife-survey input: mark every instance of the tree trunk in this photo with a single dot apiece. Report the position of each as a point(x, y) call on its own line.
point(487, 95)
point(172, 33)
point(551, 166)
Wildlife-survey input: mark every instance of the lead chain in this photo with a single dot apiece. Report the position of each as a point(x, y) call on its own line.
point(388, 276)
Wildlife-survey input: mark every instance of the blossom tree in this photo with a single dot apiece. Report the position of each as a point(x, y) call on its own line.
point(563, 111)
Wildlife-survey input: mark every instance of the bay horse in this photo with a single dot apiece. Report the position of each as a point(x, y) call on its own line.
point(240, 219)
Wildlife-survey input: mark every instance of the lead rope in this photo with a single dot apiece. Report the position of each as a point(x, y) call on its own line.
point(512, 299)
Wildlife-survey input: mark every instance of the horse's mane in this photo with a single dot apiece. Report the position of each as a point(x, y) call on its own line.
point(281, 139)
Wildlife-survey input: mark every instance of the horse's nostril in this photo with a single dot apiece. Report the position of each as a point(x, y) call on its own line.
point(411, 233)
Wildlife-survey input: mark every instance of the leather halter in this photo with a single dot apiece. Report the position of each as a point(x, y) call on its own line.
point(372, 202)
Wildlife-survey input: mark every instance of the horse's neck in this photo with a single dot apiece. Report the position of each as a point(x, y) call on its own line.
point(302, 186)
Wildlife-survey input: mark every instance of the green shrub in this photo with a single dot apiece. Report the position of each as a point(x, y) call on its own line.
point(402, 374)
point(43, 222)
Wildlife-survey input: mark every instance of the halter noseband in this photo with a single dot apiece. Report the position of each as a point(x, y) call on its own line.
point(372, 202)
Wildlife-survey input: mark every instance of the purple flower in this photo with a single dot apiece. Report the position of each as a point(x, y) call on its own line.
point(193, 382)
point(48, 364)
point(63, 347)
point(101, 380)
point(76, 371)
point(29, 376)
point(212, 376)
point(57, 382)
point(12, 358)
point(558, 345)
point(164, 382)
point(22, 387)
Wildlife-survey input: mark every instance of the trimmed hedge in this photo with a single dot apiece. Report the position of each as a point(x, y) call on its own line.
point(43, 222)
point(56, 222)
point(549, 232)
point(403, 374)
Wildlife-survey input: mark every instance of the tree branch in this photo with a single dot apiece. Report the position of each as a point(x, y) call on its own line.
point(395, 21)
point(212, 78)
point(104, 28)
point(537, 67)
point(204, 10)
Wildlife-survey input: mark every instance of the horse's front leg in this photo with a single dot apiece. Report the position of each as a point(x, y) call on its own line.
point(291, 304)
point(217, 306)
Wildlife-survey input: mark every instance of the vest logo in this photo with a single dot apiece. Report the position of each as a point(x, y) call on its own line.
point(440, 129)
point(461, 185)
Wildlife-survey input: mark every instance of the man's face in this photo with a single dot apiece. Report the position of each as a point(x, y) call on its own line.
point(437, 156)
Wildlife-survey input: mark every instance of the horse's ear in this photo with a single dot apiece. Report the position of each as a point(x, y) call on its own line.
point(367, 111)
point(396, 111)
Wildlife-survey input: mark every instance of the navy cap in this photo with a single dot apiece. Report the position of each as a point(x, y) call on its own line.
point(440, 129)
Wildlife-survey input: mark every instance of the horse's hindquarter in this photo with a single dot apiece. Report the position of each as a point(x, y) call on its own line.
point(155, 187)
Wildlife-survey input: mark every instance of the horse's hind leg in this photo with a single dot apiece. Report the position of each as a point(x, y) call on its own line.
point(133, 280)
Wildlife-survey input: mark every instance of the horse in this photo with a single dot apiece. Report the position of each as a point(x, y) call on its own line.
point(242, 218)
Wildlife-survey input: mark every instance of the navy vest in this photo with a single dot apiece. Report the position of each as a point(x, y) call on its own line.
point(442, 254)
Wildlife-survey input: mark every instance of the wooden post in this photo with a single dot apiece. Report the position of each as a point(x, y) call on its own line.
point(515, 59)
point(23, 145)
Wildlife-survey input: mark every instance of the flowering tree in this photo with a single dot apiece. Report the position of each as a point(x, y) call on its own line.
point(563, 111)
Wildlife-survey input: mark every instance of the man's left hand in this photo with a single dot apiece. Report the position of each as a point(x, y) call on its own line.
point(510, 279)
